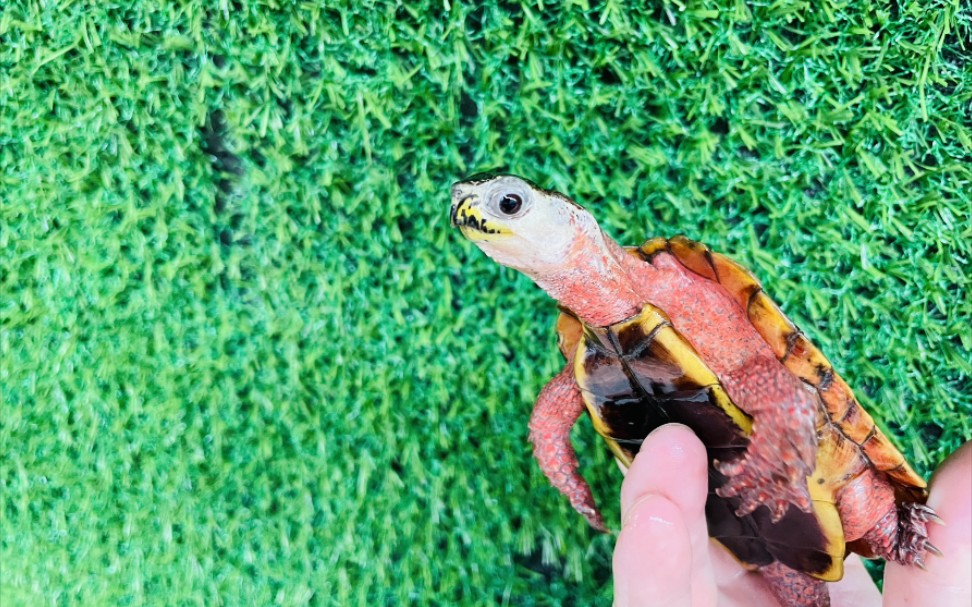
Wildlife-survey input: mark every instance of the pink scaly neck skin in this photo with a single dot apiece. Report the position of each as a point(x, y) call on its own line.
point(603, 284)
point(597, 283)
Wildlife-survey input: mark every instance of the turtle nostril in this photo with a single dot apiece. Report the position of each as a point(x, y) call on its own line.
point(456, 192)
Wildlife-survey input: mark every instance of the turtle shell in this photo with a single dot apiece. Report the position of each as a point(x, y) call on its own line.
point(641, 373)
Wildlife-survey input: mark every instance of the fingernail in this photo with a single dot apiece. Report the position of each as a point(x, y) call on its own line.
point(654, 503)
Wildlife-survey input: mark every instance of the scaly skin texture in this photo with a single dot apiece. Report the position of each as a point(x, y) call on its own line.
point(902, 534)
point(868, 512)
point(784, 443)
point(795, 589)
point(557, 408)
point(855, 504)
point(773, 471)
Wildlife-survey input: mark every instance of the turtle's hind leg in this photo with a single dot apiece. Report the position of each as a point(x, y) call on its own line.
point(795, 589)
point(876, 524)
point(902, 534)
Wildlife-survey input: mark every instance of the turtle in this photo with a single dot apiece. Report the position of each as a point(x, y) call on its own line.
point(671, 331)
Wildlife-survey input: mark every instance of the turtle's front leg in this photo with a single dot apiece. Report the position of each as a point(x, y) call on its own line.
point(557, 408)
point(783, 447)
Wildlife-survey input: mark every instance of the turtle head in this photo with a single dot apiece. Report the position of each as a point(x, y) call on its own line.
point(520, 225)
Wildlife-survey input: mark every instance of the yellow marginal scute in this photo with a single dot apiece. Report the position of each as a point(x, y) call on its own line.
point(653, 245)
point(580, 378)
point(694, 255)
point(619, 453)
point(569, 333)
point(740, 418)
point(571, 338)
point(825, 510)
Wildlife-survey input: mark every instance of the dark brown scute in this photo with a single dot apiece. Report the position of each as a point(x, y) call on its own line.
point(634, 384)
point(796, 540)
point(617, 402)
point(791, 341)
point(633, 340)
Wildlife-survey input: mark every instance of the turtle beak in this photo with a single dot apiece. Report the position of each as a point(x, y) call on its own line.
point(459, 198)
point(467, 215)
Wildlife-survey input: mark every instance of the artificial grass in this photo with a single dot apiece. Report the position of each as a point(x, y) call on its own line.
point(246, 361)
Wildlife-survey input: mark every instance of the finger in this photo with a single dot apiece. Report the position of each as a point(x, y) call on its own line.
point(856, 589)
point(737, 585)
point(946, 581)
point(673, 464)
point(653, 556)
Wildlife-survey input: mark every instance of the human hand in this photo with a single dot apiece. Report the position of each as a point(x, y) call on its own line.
point(664, 556)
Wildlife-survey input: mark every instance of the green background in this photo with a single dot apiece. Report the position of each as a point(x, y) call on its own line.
point(246, 360)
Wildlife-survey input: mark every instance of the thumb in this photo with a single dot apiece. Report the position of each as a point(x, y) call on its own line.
point(946, 581)
point(661, 557)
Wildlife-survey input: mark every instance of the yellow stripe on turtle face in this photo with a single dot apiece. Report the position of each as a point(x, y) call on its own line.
point(469, 218)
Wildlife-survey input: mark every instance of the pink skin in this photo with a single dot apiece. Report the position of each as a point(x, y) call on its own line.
point(663, 555)
point(558, 407)
point(898, 534)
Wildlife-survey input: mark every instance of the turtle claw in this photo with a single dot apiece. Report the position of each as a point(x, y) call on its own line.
point(926, 514)
point(912, 543)
point(753, 481)
point(593, 518)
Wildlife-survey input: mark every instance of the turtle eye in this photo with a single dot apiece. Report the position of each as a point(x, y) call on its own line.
point(510, 204)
